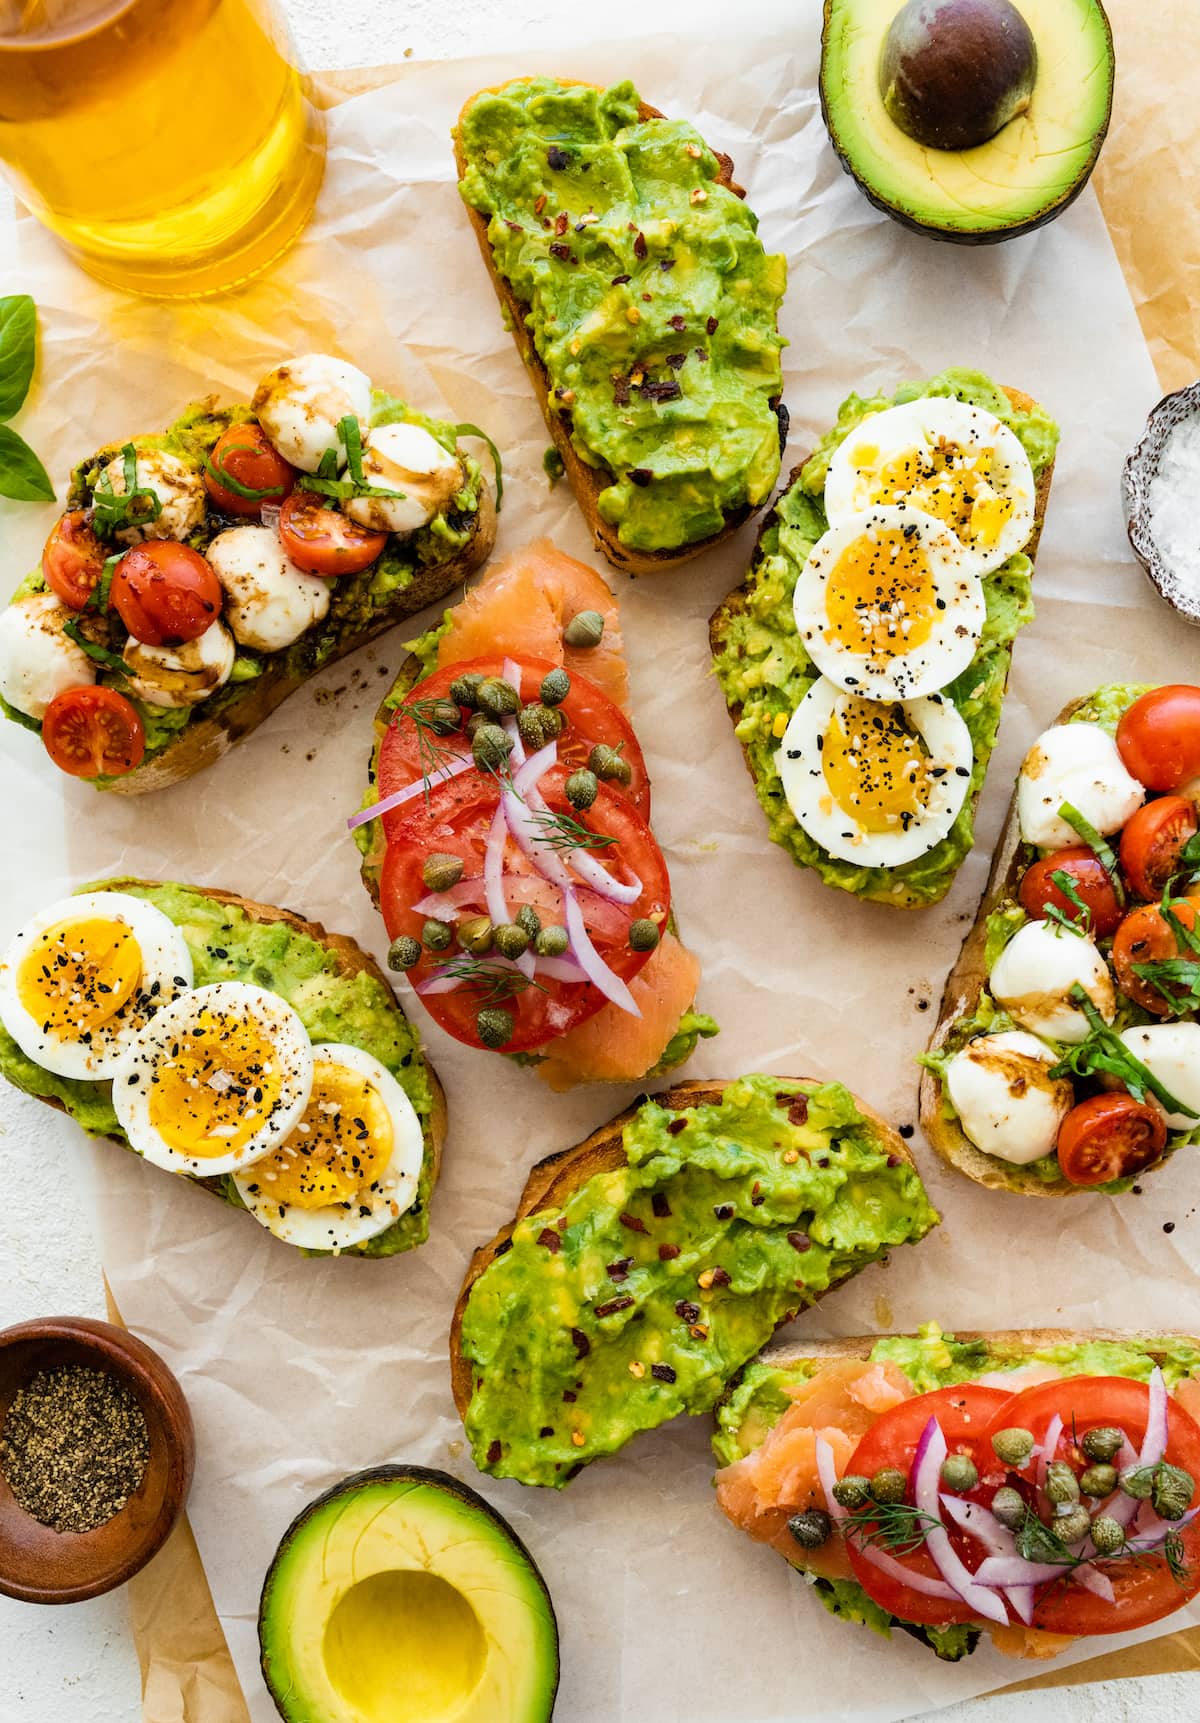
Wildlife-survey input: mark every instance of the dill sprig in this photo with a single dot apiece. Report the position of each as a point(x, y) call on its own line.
point(494, 982)
point(430, 720)
point(561, 832)
point(895, 1526)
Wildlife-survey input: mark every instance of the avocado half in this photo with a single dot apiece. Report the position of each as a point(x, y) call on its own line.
point(1019, 179)
point(400, 1596)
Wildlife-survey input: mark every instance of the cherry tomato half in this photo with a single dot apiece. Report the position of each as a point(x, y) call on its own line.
point(89, 731)
point(1146, 936)
point(1152, 840)
point(1090, 880)
point(1109, 1137)
point(322, 540)
point(243, 457)
point(1159, 737)
point(165, 592)
point(73, 558)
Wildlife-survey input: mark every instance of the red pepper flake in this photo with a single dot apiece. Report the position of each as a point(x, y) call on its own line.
point(582, 1344)
point(799, 1241)
point(514, 227)
point(639, 246)
point(720, 1277)
point(643, 476)
point(822, 1160)
point(619, 1270)
point(711, 326)
point(612, 1306)
point(493, 1453)
point(659, 1203)
point(632, 1222)
point(675, 1126)
point(550, 1239)
point(669, 390)
point(668, 1252)
point(757, 1199)
point(798, 1111)
point(647, 297)
point(665, 263)
point(676, 361)
point(539, 204)
point(620, 391)
point(557, 158)
point(677, 321)
point(560, 222)
point(570, 1396)
point(546, 1430)
point(895, 1160)
point(701, 355)
point(619, 280)
point(724, 1211)
point(662, 1372)
point(546, 222)
point(561, 251)
point(686, 1311)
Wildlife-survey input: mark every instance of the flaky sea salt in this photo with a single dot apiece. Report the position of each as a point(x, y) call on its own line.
point(1174, 502)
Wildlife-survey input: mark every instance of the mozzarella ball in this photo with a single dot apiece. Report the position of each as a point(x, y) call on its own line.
point(269, 602)
point(1171, 1053)
point(37, 661)
point(1079, 764)
point(405, 458)
point(1006, 1101)
point(178, 487)
point(181, 675)
point(1034, 974)
point(300, 404)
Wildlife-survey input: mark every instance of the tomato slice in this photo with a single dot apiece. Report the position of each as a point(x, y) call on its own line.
point(456, 820)
point(962, 1412)
point(1146, 936)
point(1152, 840)
point(322, 540)
point(165, 593)
point(1144, 1590)
point(248, 463)
point(408, 750)
point(89, 731)
point(1159, 737)
point(73, 558)
point(1109, 1137)
point(1090, 880)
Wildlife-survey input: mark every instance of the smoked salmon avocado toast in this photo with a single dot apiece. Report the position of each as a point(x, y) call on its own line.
point(1038, 1485)
point(647, 1265)
point(1067, 1052)
point(201, 574)
point(506, 835)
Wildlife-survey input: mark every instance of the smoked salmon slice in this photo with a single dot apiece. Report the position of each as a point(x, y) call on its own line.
point(612, 1046)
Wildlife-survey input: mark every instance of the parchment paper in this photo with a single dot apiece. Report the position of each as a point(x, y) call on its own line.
point(299, 1372)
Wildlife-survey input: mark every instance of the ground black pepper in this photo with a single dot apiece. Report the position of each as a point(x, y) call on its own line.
point(73, 1447)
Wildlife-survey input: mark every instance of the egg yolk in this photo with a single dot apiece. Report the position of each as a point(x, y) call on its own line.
point(78, 974)
point(880, 598)
point(339, 1148)
point(875, 765)
point(952, 483)
point(216, 1088)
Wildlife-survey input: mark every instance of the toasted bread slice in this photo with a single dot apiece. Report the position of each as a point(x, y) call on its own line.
point(586, 481)
point(738, 600)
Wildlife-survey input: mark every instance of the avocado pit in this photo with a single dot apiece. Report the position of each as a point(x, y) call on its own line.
point(953, 73)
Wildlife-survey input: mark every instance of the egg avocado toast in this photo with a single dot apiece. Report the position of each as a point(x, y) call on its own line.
point(200, 575)
point(864, 659)
point(642, 303)
point(648, 1264)
point(239, 1046)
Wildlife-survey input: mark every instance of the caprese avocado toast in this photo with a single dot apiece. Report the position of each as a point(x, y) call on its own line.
point(201, 574)
point(506, 835)
point(865, 657)
point(236, 1045)
point(1067, 1051)
point(1038, 1485)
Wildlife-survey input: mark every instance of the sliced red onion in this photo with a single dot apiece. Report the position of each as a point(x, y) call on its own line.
point(559, 969)
point(529, 837)
point(983, 1525)
point(1054, 1430)
point(493, 881)
point(268, 513)
point(439, 775)
point(511, 672)
point(1014, 1570)
point(1022, 1598)
point(590, 871)
point(926, 1475)
point(591, 962)
point(535, 768)
point(827, 1473)
point(1154, 1443)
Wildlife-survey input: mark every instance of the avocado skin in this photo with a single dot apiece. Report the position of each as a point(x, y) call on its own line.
point(953, 73)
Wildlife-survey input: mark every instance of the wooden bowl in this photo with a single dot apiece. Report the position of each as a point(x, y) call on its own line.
point(40, 1565)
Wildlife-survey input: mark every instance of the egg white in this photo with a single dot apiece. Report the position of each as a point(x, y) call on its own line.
point(338, 1226)
point(166, 970)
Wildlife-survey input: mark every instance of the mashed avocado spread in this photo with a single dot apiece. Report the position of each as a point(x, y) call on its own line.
point(227, 945)
point(765, 672)
point(648, 295)
point(655, 1283)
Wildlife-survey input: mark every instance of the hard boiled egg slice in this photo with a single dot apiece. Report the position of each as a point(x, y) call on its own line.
point(84, 976)
point(350, 1167)
point(1033, 976)
point(301, 404)
point(872, 782)
point(889, 606)
point(1007, 1102)
point(217, 1080)
point(956, 462)
point(1077, 765)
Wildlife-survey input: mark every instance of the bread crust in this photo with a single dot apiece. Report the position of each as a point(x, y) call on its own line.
point(553, 1180)
point(1002, 1342)
point(738, 600)
point(587, 482)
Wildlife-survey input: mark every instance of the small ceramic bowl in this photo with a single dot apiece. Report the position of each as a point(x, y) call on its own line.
point(40, 1565)
point(1141, 467)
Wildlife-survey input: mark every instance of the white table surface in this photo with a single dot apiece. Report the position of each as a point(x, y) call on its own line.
point(77, 1664)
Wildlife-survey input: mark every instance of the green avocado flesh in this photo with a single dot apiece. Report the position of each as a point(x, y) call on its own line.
point(595, 1325)
point(359, 603)
point(1023, 176)
point(649, 298)
point(226, 945)
point(400, 1596)
point(765, 671)
point(930, 1360)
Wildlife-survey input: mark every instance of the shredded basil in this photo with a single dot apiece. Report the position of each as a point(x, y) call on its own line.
point(112, 511)
point(1104, 1050)
point(223, 477)
point(1062, 879)
point(474, 431)
point(111, 661)
point(1094, 841)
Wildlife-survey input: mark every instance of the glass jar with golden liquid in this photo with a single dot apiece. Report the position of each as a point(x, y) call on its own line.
point(172, 145)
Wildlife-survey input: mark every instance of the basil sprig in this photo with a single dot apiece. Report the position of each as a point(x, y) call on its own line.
point(113, 510)
point(1176, 979)
point(1104, 1050)
point(465, 430)
point(22, 475)
point(1095, 841)
point(1062, 879)
point(325, 481)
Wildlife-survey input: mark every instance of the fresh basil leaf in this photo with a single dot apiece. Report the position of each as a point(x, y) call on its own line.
point(352, 439)
point(1103, 850)
point(1062, 879)
point(18, 350)
point(223, 477)
point(474, 431)
point(1104, 1050)
point(22, 475)
point(111, 661)
point(97, 598)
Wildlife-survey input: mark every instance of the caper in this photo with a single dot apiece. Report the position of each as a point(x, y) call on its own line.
point(888, 1485)
point(585, 629)
point(1098, 1481)
point(551, 942)
point(1061, 1483)
point(1138, 1482)
point(811, 1528)
point(496, 697)
point(404, 953)
point(511, 940)
point(959, 1473)
point(1013, 1446)
point(1108, 1535)
point(475, 723)
point(436, 935)
point(582, 788)
point(607, 763)
point(1008, 1505)
point(852, 1491)
point(1074, 1524)
point(442, 716)
point(465, 688)
point(491, 747)
point(556, 685)
point(475, 935)
point(1172, 1492)
point(441, 871)
point(530, 920)
point(494, 1026)
point(539, 725)
point(643, 935)
point(1103, 1443)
